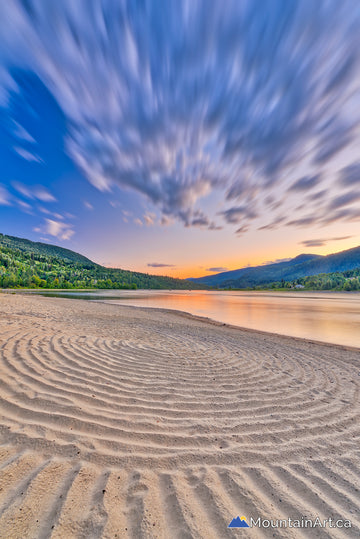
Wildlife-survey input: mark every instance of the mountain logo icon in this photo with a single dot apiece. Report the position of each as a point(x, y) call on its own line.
point(238, 523)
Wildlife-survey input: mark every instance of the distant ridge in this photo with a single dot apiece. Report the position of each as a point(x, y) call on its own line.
point(302, 265)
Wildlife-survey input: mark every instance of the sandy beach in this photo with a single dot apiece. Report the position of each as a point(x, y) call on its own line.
point(127, 422)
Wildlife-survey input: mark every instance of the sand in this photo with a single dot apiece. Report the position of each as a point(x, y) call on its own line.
point(126, 422)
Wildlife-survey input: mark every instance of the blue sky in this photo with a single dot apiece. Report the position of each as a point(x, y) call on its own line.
point(181, 137)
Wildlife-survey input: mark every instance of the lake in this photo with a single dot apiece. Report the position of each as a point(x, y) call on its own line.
point(324, 316)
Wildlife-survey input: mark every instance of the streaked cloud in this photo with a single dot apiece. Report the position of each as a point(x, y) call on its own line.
point(25, 154)
point(21, 133)
point(345, 214)
point(88, 205)
point(344, 200)
point(276, 261)
point(237, 214)
point(115, 203)
point(216, 270)
point(149, 219)
point(4, 196)
point(350, 175)
point(303, 221)
point(43, 194)
point(200, 221)
point(214, 226)
point(176, 100)
point(322, 242)
point(38, 192)
point(305, 184)
point(24, 205)
point(57, 229)
point(166, 221)
point(318, 196)
point(160, 265)
point(274, 224)
point(242, 230)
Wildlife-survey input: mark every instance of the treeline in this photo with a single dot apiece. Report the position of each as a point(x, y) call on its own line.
point(26, 269)
point(346, 280)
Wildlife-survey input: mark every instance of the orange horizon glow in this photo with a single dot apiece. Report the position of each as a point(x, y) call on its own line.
point(267, 257)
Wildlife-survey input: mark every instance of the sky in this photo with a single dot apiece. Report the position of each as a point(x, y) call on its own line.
point(184, 137)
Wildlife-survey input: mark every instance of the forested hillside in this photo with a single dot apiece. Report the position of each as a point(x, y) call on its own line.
point(28, 264)
point(299, 267)
point(345, 280)
point(45, 249)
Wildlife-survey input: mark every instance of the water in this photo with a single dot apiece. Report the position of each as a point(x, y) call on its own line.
point(324, 316)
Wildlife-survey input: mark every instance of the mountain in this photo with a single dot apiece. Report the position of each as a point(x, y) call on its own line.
point(44, 249)
point(301, 266)
point(28, 264)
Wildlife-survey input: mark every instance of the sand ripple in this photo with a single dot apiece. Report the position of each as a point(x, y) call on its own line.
point(119, 422)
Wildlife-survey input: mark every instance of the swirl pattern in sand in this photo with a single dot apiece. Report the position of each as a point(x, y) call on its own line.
point(126, 422)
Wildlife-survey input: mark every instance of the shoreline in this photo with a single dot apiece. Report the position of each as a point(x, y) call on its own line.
point(195, 316)
point(123, 421)
point(211, 321)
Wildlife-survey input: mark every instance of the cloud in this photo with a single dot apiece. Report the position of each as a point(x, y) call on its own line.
point(313, 243)
point(175, 100)
point(114, 203)
point(4, 196)
point(149, 219)
point(344, 200)
point(345, 214)
point(319, 195)
point(216, 270)
point(201, 221)
point(350, 175)
point(28, 156)
point(20, 132)
point(138, 222)
point(159, 265)
point(237, 213)
point(34, 192)
point(88, 205)
point(166, 220)
point(126, 215)
point(276, 261)
point(214, 226)
point(43, 194)
point(58, 229)
point(306, 183)
point(330, 209)
point(242, 230)
point(303, 221)
point(333, 142)
point(44, 210)
point(321, 242)
point(27, 208)
point(274, 224)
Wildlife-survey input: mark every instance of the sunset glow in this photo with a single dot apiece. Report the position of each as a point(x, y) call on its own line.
point(178, 137)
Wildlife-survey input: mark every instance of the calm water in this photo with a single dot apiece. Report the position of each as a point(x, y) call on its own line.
point(324, 316)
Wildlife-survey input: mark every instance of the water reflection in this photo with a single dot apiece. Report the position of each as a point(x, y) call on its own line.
point(324, 316)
